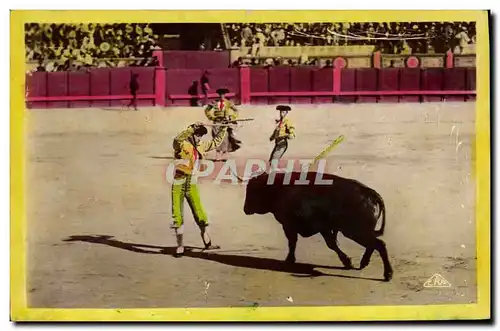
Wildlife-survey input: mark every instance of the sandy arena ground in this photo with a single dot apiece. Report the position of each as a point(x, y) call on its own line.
point(95, 177)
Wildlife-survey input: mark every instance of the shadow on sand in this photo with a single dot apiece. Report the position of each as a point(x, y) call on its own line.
point(241, 261)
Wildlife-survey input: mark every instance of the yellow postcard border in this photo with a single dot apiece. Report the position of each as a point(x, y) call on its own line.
point(19, 309)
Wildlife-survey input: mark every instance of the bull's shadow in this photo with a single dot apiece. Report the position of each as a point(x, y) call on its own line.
point(252, 262)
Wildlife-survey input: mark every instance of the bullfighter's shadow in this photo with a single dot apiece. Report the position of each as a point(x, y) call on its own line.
point(252, 262)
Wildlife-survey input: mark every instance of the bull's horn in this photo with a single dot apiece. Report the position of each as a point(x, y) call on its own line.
point(258, 172)
point(238, 177)
point(241, 180)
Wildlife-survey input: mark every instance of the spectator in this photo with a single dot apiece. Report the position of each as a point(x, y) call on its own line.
point(328, 39)
point(269, 62)
point(155, 62)
point(312, 62)
point(463, 39)
point(304, 59)
point(218, 48)
point(237, 63)
point(255, 47)
point(246, 36)
point(260, 38)
point(274, 38)
point(281, 36)
point(328, 64)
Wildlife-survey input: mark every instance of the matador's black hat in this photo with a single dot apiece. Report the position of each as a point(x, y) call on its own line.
point(283, 108)
point(200, 130)
point(222, 91)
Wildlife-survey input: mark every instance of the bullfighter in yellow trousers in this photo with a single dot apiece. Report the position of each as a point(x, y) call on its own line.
point(189, 148)
point(223, 110)
point(283, 131)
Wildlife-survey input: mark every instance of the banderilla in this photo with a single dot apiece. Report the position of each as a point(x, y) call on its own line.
point(230, 122)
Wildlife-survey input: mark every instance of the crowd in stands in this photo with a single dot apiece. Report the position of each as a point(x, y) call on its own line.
point(56, 47)
point(279, 61)
point(388, 37)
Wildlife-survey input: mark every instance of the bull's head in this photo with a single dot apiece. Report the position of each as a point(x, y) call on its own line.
point(258, 193)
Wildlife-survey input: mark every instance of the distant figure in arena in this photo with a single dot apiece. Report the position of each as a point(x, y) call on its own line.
point(283, 131)
point(193, 92)
point(219, 112)
point(134, 87)
point(205, 87)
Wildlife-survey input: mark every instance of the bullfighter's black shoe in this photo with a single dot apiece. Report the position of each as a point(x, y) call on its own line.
point(207, 241)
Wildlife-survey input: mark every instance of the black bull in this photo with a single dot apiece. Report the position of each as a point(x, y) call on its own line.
point(343, 205)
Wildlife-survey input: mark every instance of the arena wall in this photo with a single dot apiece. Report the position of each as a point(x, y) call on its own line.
point(160, 86)
point(100, 87)
point(195, 59)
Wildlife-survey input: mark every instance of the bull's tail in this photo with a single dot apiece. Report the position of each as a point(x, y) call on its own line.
point(381, 211)
point(378, 201)
point(380, 231)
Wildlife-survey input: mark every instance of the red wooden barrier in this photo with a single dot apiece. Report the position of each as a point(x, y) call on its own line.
point(147, 86)
point(228, 78)
point(322, 80)
point(360, 93)
point(158, 86)
point(454, 80)
point(119, 81)
point(355, 85)
point(279, 81)
point(347, 83)
point(160, 80)
point(100, 86)
point(388, 80)
point(195, 60)
point(432, 79)
point(97, 88)
point(79, 86)
point(471, 82)
point(258, 82)
point(367, 80)
point(301, 79)
point(179, 84)
point(36, 86)
point(409, 80)
point(57, 85)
